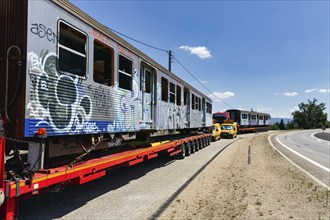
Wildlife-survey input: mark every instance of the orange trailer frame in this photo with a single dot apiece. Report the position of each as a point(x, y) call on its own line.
point(80, 173)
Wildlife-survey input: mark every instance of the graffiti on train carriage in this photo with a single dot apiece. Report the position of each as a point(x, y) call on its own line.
point(65, 105)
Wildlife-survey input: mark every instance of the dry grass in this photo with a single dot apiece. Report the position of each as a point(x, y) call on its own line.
point(268, 188)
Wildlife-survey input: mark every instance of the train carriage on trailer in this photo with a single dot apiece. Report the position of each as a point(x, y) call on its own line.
point(250, 121)
point(80, 81)
point(69, 86)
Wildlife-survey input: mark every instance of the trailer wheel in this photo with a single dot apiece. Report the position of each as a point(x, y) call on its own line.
point(204, 142)
point(182, 154)
point(187, 147)
point(197, 145)
point(192, 145)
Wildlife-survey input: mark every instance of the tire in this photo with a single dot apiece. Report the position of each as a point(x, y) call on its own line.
point(196, 145)
point(200, 144)
point(204, 142)
point(207, 141)
point(182, 154)
point(192, 146)
point(188, 149)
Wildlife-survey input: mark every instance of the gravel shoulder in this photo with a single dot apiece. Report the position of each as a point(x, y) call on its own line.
point(267, 188)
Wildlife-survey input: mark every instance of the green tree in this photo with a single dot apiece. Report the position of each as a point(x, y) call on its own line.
point(274, 126)
point(310, 115)
point(281, 126)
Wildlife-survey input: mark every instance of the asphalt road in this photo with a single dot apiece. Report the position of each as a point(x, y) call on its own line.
point(308, 151)
point(138, 192)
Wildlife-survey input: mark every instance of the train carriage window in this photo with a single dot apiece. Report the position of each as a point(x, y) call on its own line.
point(185, 96)
point(261, 117)
point(164, 89)
point(125, 73)
point(147, 81)
point(203, 105)
point(103, 64)
point(193, 101)
point(178, 95)
point(196, 102)
point(72, 50)
point(266, 117)
point(172, 93)
point(199, 104)
point(244, 116)
point(208, 107)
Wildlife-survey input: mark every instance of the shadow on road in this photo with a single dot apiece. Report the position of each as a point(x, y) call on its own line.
point(57, 205)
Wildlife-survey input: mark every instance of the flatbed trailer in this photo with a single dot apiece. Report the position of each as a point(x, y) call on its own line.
point(252, 129)
point(11, 191)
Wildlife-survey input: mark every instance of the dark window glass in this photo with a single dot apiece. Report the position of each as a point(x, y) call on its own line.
point(193, 101)
point(125, 73)
point(178, 95)
point(72, 50)
point(148, 81)
point(103, 60)
point(164, 89)
point(172, 93)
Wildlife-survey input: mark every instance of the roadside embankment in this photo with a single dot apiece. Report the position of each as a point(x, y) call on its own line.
point(267, 188)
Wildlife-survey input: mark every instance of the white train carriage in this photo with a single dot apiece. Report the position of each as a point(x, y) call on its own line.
point(82, 80)
point(249, 118)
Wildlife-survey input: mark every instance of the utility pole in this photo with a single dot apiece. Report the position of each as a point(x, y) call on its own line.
point(169, 60)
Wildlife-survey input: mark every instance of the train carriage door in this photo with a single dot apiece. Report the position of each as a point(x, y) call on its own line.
point(148, 91)
point(204, 112)
point(186, 102)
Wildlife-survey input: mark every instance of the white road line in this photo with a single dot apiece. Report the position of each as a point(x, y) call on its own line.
point(304, 157)
point(296, 165)
point(317, 139)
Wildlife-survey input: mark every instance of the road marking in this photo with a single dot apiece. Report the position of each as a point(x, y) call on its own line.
point(296, 165)
point(316, 138)
point(304, 157)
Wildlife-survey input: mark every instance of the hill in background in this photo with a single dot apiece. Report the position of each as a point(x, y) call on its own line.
point(285, 120)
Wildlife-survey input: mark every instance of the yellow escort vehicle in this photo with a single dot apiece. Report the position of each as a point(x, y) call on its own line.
point(228, 129)
point(216, 131)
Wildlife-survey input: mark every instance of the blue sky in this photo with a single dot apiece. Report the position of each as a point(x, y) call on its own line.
point(267, 56)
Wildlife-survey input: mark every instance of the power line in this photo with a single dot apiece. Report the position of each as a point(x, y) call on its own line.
point(148, 45)
point(170, 58)
point(200, 82)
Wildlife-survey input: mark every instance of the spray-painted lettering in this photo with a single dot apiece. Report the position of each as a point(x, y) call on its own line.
point(42, 31)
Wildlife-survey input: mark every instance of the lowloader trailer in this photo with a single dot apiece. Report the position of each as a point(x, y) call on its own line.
point(14, 187)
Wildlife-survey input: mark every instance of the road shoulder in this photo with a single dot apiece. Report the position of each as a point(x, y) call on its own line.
point(269, 187)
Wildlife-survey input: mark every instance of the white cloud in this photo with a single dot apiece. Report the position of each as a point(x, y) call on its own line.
point(203, 81)
point(263, 109)
point(310, 90)
point(324, 90)
point(319, 90)
point(293, 109)
point(201, 51)
point(289, 94)
point(221, 96)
